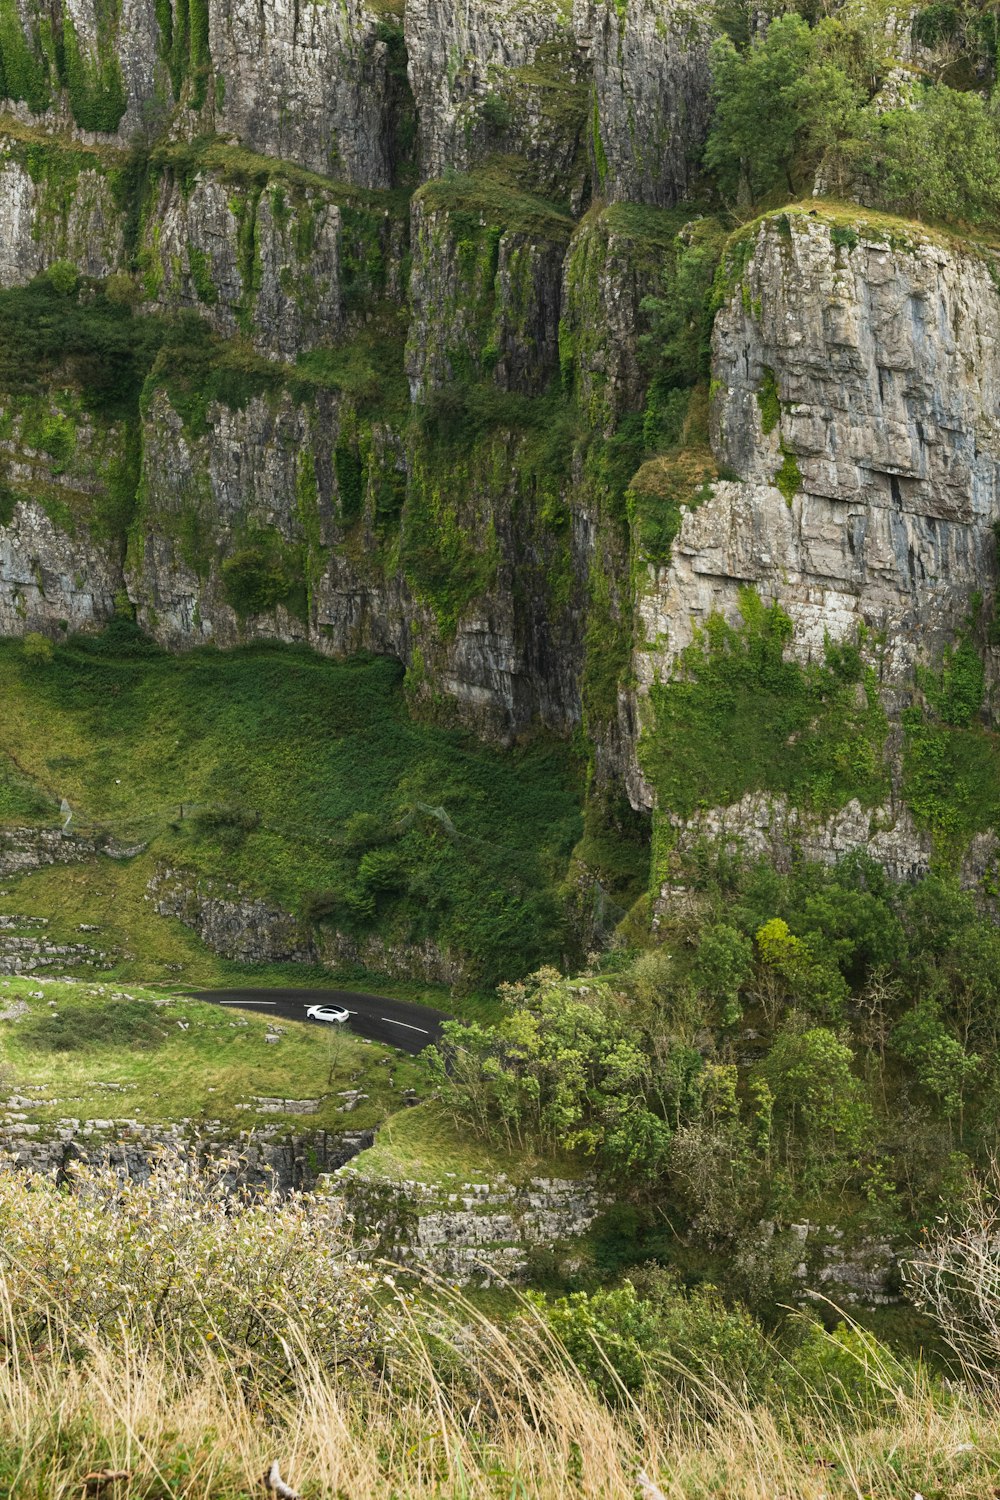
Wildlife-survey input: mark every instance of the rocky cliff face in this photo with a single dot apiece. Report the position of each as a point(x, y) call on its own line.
point(389, 287)
point(855, 396)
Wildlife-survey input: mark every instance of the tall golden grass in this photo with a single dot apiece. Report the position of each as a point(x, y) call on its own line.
point(454, 1405)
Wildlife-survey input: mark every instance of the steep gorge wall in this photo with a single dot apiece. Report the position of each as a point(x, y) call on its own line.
point(856, 415)
point(406, 261)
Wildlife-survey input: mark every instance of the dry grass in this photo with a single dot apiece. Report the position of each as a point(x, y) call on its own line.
point(373, 1391)
point(199, 1435)
point(474, 1413)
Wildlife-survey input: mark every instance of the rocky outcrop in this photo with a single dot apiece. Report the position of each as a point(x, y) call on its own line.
point(230, 922)
point(467, 1233)
point(856, 394)
point(764, 825)
point(264, 263)
point(309, 84)
point(651, 94)
point(46, 217)
point(268, 524)
point(241, 926)
point(484, 291)
point(53, 578)
point(313, 86)
point(24, 849)
point(506, 79)
point(615, 260)
point(872, 496)
point(26, 949)
point(269, 1157)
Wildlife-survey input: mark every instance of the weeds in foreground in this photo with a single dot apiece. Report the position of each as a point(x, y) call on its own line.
point(427, 1397)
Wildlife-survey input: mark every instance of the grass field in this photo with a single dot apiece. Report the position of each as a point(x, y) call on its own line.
point(171, 1059)
point(425, 1145)
point(303, 779)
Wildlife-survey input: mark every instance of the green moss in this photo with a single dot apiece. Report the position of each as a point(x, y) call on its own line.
point(265, 571)
point(844, 236)
point(350, 477)
point(24, 67)
point(95, 85)
point(740, 717)
point(200, 266)
point(184, 46)
point(52, 432)
point(448, 554)
point(788, 478)
point(600, 156)
point(607, 651)
point(658, 496)
point(767, 400)
point(490, 200)
point(951, 762)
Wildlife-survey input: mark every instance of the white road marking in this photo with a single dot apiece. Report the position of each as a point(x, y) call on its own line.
point(391, 1022)
point(248, 1002)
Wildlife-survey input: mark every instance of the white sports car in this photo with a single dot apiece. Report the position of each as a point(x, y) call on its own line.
point(335, 1013)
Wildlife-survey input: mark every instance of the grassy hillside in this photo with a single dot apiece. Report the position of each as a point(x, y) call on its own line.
point(105, 1052)
point(303, 779)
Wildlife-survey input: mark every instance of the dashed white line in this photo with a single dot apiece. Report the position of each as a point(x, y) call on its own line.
point(241, 1003)
point(391, 1022)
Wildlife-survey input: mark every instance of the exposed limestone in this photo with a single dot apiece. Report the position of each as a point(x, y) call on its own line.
point(488, 304)
point(863, 378)
point(241, 926)
point(762, 825)
point(505, 78)
point(651, 94)
point(49, 575)
point(469, 1233)
point(193, 258)
point(308, 84)
point(42, 222)
point(269, 1157)
point(885, 366)
point(230, 922)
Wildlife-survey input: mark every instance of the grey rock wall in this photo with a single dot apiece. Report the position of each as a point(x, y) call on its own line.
point(486, 303)
point(305, 83)
point(40, 222)
point(239, 925)
point(651, 94)
point(468, 1233)
point(857, 396)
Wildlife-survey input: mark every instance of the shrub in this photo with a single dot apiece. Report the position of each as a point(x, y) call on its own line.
point(63, 277)
point(37, 648)
point(177, 1262)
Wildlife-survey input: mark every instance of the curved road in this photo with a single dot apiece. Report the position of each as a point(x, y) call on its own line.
point(400, 1023)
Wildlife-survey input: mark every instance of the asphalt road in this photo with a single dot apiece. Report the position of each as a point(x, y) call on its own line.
point(400, 1023)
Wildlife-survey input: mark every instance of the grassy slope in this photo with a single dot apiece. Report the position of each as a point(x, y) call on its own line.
point(103, 1034)
point(273, 755)
point(425, 1145)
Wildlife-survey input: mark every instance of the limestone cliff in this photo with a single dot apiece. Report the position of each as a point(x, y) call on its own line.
point(387, 299)
point(855, 415)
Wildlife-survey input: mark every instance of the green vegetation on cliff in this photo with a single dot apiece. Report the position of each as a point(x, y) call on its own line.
point(307, 781)
point(742, 716)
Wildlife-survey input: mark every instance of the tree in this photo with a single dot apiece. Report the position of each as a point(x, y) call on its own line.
point(938, 160)
point(778, 106)
point(810, 1073)
point(941, 1064)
